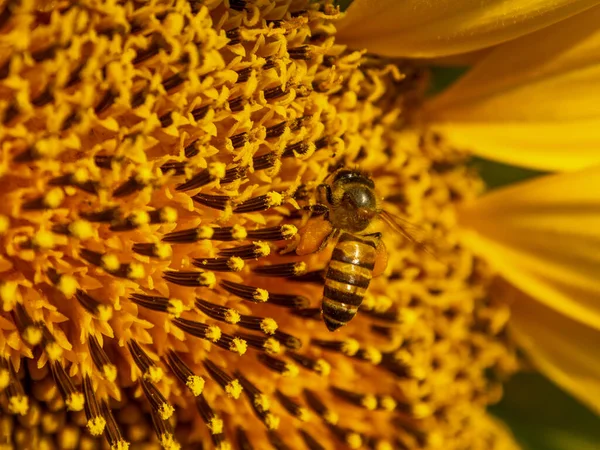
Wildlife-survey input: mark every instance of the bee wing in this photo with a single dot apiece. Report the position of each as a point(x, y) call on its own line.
point(414, 234)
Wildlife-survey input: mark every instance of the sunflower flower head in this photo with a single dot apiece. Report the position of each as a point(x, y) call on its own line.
point(155, 162)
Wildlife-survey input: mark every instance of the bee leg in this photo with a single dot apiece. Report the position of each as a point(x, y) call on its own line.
point(373, 235)
point(324, 193)
point(334, 233)
point(318, 210)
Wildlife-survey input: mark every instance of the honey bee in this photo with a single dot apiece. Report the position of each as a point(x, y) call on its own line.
point(347, 206)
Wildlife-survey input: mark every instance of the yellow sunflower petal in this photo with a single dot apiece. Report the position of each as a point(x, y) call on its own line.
point(563, 349)
point(425, 29)
point(531, 101)
point(544, 237)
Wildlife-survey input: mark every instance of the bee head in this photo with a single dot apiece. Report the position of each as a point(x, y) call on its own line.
point(355, 203)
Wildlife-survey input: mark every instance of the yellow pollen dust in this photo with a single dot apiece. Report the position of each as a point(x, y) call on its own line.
point(304, 414)
point(300, 268)
point(75, 401)
point(168, 442)
point(4, 378)
point(213, 333)
point(136, 271)
point(81, 175)
point(369, 402)
point(144, 176)
point(18, 404)
point(175, 307)
point(208, 279)
point(43, 239)
point(195, 384)
point(272, 346)
point(234, 389)
point(68, 285)
point(421, 410)
point(262, 248)
point(274, 199)
point(163, 251)
point(54, 198)
point(4, 223)
point(388, 403)
point(168, 215)
point(110, 372)
point(261, 295)
point(120, 445)
point(154, 374)
point(372, 355)
point(205, 232)
point(235, 263)
point(288, 231)
point(261, 402)
point(81, 229)
point(223, 446)
point(54, 351)
point(331, 417)
point(8, 295)
point(322, 367)
point(217, 170)
point(96, 425)
point(354, 440)
point(32, 335)
point(232, 316)
point(139, 217)
point(350, 347)
point(290, 370)
point(268, 325)
point(272, 421)
point(110, 262)
point(105, 313)
point(238, 232)
point(238, 346)
point(384, 445)
point(215, 425)
point(165, 411)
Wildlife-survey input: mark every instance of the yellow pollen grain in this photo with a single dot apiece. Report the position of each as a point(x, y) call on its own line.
point(234, 389)
point(331, 417)
point(8, 295)
point(168, 215)
point(75, 401)
point(261, 295)
point(168, 442)
point(205, 232)
point(421, 410)
point(96, 425)
point(175, 307)
point(195, 384)
point(223, 446)
point(232, 316)
point(288, 231)
point(54, 198)
point(350, 347)
point(18, 404)
point(54, 351)
point(238, 232)
point(235, 263)
point(322, 367)
point(105, 313)
point(274, 199)
point(163, 251)
point(261, 402)
point(43, 239)
point(215, 425)
point(272, 346)
point(372, 355)
point(32, 335)
point(4, 379)
point(213, 333)
point(268, 326)
point(81, 175)
point(68, 285)
point(290, 370)
point(300, 268)
point(136, 271)
point(354, 440)
point(144, 176)
point(110, 262)
point(304, 414)
point(81, 229)
point(154, 374)
point(208, 279)
point(238, 346)
point(139, 217)
point(262, 248)
point(165, 411)
point(110, 372)
point(388, 403)
point(272, 421)
point(383, 445)
point(369, 402)
point(4, 223)
point(120, 445)
point(217, 170)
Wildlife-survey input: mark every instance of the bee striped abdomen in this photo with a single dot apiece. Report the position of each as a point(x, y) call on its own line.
point(348, 276)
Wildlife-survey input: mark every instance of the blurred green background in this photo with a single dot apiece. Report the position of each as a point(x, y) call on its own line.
point(541, 416)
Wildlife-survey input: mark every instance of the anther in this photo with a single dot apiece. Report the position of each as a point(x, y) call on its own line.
point(238, 140)
point(230, 385)
point(250, 293)
point(244, 74)
point(135, 183)
point(366, 401)
point(95, 421)
point(190, 278)
point(293, 407)
point(349, 437)
point(93, 306)
point(51, 200)
point(276, 130)
point(289, 341)
point(265, 161)
point(156, 303)
point(105, 215)
point(110, 264)
point(308, 313)
point(191, 235)
point(213, 421)
point(193, 382)
point(234, 173)
point(78, 229)
point(273, 93)
point(231, 264)
point(67, 284)
point(302, 52)
point(150, 371)
point(78, 179)
point(319, 366)
point(242, 439)
point(209, 332)
point(166, 120)
point(285, 368)
point(111, 431)
point(234, 344)
point(233, 35)
point(289, 300)
point(263, 343)
point(101, 361)
point(260, 203)
point(285, 270)
point(237, 5)
point(157, 400)
point(214, 172)
point(260, 403)
point(319, 407)
point(277, 442)
point(296, 149)
point(218, 202)
point(158, 250)
point(74, 400)
point(200, 112)
point(278, 233)
point(164, 431)
point(348, 347)
point(310, 441)
point(105, 102)
point(173, 81)
point(236, 104)
point(18, 402)
point(255, 250)
point(192, 149)
point(29, 331)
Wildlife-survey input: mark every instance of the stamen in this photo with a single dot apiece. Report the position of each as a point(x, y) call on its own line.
point(276, 441)
point(289, 301)
point(194, 382)
point(200, 330)
point(173, 81)
point(233, 264)
point(232, 343)
point(236, 104)
point(349, 437)
point(77, 179)
point(310, 441)
point(175, 168)
point(93, 306)
point(111, 431)
point(192, 235)
point(263, 343)
point(278, 233)
point(319, 407)
point(200, 112)
point(190, 278)
point(150, 371)
point(320, 366)
point(348, 347)
point(157, 400)
point(308, 313)
point(74, 400)
point(214, 172)
point(101, 361)
point(295, 150)
point(164, 432)
point(230, 385)
point(135, 183)
point(67, 284)
point(260, 403)
point(30, 332)
point(265, 161)
point(110, 263)
point(285, 270)
point(79, 229)
point(105, 102)
point(237, 5)
point(218, 312)
point(96, 423)
point(163, 304)
point(242, 439)
point(314, 277)
point(192, 149)
point(238, 140)
point(213, 421)
point(51, 200)
point(302, 52)
point(284, 368)
point(276, 130)
point(260, 203)
point(288, 340)
point(105, 215)
point(255, 250)
point(292, 407)
point(244, 74)
point(366, 401)
point(233, 35)
point(218, 202)
point(158, 250)
point(235, 173)
point(273, 93)
point(18, 402)
point(249, 293)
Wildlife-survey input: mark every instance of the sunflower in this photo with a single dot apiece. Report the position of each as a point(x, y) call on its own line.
point(157, 167)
